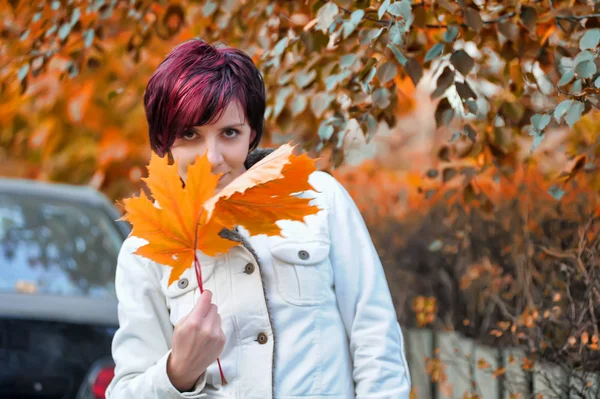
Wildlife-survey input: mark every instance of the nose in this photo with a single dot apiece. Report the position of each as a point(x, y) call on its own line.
point(214, 155)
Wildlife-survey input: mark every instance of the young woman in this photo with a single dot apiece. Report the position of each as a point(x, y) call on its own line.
point(304, 315)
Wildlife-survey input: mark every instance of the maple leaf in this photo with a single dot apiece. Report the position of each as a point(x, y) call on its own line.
point(186, 219)
point(172, 226)
point(263, 194)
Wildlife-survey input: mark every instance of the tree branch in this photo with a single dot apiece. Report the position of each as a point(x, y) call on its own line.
point(577, 17)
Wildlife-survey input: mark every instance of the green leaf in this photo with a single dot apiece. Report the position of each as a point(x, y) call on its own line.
point(574, 113)
point(333, 80)
point(414, 70)
point(509, 29)
point(537, 139)
point(64, 31)
point(435, 246)
point(280, 46)
point(88, 37)
point(320, 102)
point(349, 26)
point(399, 56)
point(281, 99)
point(577, 87)
point(597, 82)
point(462, 62)
point(590, 39)
point(347, 61)
point(474, 19)
point(556, 192)
point(325, 131)
point(470, 132)
point(401, 9)
point(372, 125)
point(325, 16)
point(381, 97)
point(383, 8)
point(395, 34)
point(368, 79)
point(529, 18)
point(304, 78)
point(472, 106)
point(566, 78)
point(366, 36)
point(75, 16)
point(299, 104)
point(444, 113)
point(561, 109)
point(23, 72)
point(586, 69)
point(357, 16)
point(540, 121)
point(387, 72)
point(433, 52)
point(209, 8)
point(444, 81)
point(464, 91)
point(451, 34)
point(583, 56)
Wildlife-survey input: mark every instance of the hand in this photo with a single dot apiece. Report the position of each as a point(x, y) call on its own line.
point(197, 342)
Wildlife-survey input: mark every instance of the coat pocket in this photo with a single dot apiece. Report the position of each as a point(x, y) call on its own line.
point(182, 295)
point(301, 269)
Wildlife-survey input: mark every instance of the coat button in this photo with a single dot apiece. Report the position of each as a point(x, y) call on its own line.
point(262, 338)
point(249, 269)
point(183, 283)
point(303, 255)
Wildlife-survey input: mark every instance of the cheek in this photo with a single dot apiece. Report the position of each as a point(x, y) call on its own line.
point(236, 155)
point(183, 156)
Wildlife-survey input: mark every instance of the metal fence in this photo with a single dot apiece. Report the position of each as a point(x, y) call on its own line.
point(471, 369)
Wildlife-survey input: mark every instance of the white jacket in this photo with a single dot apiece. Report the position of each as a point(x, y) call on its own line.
point(308, 315)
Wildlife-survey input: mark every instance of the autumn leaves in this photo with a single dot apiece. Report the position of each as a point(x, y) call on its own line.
point(185, 219)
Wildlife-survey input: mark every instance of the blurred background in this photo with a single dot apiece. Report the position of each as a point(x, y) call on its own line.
point(466, 131)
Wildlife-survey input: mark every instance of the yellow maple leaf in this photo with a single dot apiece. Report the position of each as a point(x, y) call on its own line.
point(185, 219)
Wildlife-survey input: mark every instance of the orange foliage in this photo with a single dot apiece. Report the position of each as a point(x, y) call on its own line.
point(191, 217)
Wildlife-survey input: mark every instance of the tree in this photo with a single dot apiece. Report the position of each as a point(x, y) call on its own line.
point(73, 73)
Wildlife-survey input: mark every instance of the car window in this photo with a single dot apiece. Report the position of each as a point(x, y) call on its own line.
point(56, 247)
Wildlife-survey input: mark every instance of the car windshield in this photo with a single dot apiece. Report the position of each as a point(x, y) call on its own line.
point(56, 247)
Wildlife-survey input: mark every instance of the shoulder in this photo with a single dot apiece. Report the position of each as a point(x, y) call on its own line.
point(325, 183)
point(330, 188)
point(137, 266)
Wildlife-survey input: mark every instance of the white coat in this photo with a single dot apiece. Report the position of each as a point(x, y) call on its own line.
point(308, 315)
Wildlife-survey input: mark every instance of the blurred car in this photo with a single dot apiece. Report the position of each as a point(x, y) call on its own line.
point(58, 308)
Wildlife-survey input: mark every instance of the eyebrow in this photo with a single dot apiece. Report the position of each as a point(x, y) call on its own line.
point(224, 127)
point(232, 126)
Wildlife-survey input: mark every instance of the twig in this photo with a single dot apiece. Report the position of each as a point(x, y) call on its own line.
point(556, 254)
point(577, 17)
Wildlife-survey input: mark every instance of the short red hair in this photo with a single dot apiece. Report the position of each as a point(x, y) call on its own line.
point(194, 85)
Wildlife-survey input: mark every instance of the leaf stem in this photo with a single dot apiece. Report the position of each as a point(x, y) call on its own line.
point(198, 269)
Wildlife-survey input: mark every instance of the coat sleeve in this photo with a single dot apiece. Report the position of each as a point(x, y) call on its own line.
point(365, 304)
point(142, 344)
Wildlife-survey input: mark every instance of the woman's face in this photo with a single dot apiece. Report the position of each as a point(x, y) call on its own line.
point(227, 141)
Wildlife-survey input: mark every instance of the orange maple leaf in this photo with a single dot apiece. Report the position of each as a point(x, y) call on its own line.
point(263, 194)
point(185, 219)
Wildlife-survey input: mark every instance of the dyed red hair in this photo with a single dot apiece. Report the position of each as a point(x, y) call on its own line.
point(194, 85)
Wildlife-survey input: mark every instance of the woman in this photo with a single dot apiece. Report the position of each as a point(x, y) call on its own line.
point(304, 315)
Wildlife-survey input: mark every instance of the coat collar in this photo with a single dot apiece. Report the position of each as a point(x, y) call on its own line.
point(256, 156)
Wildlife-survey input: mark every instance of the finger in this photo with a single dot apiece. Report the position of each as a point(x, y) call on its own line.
point(203, 305)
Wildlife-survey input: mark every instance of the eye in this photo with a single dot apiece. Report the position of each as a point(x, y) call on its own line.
point(189, 135)
point(231, 133)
